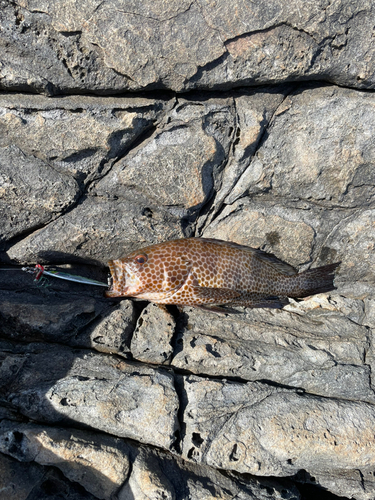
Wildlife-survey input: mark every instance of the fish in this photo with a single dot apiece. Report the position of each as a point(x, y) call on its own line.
point(213, 274)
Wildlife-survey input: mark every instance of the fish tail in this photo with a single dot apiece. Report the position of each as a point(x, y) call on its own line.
point(312, 281)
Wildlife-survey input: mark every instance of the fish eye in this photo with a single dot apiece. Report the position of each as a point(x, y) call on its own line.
point(141, 259)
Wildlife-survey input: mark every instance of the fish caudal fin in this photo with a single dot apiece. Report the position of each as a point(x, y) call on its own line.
point(312, 281)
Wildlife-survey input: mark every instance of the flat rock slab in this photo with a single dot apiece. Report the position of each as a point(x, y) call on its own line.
point(80, 455)
point(106, 466)
point(32, 193)
point(98, 230)
point(319, 350)
point(78, 136)
point(253, 428)
point(63, 385)
point(188, 150)
point(318, 148)
point(103, 47)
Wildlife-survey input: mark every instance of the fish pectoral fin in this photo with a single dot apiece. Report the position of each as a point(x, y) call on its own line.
point(217, 294)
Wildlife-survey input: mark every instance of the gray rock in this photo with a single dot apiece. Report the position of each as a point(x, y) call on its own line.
point(98, 230)
point(27, 481)
point(189, 151)
point(17, 480)
point(347, 484)
point(312, 346)
point(318, 149)
point(60, 385)
point(99, 463)
point(111, 332)
point(258, 429)
point(104, 47)
point(156, 475)
point(152, 338)
point(31, 192)
point(48, 315)
point(81, 136)
point(254, 110)
point(109, 467)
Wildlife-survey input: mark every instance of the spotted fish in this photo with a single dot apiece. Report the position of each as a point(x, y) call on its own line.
point(210, 273)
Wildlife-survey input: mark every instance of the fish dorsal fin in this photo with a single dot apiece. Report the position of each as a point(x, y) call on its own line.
point(268, 258)
point(279, 265)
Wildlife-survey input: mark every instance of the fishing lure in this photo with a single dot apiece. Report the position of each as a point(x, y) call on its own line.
point(40, 272)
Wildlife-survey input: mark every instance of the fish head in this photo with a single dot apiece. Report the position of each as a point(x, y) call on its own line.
point(155, 270)
point(128, 276)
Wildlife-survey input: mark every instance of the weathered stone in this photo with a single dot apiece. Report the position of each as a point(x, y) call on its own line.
point(254, 110)
point(103, 47)
point(257, 429)
point(353, 240)
point(156, 475)
point(81, 136)
point(316, 349)
point(20, 481)
point(241, 224)
point(147, 480)
point(99, 463)
point(151, 341)
point(98, 229)
point(58, 385)
point(188, 152)
point(112, 332)
point(44, 314)
point(347, 484)
point(318, 149)
point(17, 480)
point(31, 192)
point(102, 464)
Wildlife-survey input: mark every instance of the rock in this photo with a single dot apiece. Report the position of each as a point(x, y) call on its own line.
point(52, 48)
point(102, 464)
point(255, 428)
point(254, 109)
point(315, 152)
point(189, 151)
point(111, 332)
point(99, 463)
point(78, 136)
point(61, 385)
point(65, 312)
point(353, 239)
point(318, 350)
point(147, 481)
point(17, 480)
point(21, 481)
point(31, 192)
point(152, 338)
point(157, 475)
point(48, 315)
point(98, 230)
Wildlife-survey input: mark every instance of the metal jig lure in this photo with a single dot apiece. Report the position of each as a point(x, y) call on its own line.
point(39, 271)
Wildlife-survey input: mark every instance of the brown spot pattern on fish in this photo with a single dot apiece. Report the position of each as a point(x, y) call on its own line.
point(207, 272)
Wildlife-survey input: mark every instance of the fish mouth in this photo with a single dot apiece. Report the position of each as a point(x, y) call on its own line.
point(116, 280)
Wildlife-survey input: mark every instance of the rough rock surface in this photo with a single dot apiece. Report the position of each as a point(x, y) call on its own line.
point(129, 123)
point(108, 47)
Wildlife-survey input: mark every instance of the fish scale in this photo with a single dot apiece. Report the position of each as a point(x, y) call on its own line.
point(210, 273)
